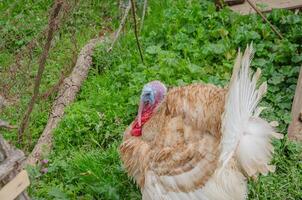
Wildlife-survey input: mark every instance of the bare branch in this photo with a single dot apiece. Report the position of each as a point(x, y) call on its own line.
point(51, 30)
point(122, 24)
point(143, 15)
point(135, 31)
point(265, 19)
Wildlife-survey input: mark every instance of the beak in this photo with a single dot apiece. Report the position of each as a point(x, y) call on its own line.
point(139, 116)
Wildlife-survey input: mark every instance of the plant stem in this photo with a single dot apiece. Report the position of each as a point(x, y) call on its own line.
point(135, 31)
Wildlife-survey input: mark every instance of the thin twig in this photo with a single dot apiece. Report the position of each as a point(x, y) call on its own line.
point(66, 70)
point(143, 15)
point(4, 124)
point(120, 8)
point(135, 31)
point(122, 24)
point(53, 89)
point(51, 30)
point(265, 19)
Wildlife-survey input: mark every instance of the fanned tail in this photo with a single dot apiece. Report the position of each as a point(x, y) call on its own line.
point(245, 136)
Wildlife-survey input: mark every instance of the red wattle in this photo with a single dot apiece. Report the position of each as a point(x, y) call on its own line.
point(146, 115)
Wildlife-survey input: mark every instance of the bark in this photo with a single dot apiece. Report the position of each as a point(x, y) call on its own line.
point(66, 95)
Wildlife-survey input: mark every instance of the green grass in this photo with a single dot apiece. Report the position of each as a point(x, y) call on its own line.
point(183, 42)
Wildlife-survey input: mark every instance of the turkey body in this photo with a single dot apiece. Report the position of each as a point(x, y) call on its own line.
point(178, 155)
point(181, 143)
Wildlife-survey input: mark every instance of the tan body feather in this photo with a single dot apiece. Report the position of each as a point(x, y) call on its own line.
point(184, 132)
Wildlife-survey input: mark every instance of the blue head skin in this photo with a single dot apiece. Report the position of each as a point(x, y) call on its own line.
point(148, 95)
point(152, 94)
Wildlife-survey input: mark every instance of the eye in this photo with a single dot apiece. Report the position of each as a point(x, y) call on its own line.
point(148, 97)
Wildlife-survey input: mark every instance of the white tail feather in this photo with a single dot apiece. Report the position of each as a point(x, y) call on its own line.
point(245, 135)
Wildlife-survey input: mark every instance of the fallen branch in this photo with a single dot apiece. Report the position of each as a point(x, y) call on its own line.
point(66, 95)
point(122, 24)
point(52, 28)
point(265, 19)
point(135, 31)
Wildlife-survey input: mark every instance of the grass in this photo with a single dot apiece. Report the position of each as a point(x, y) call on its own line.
point(22, 22)
point(183, 42)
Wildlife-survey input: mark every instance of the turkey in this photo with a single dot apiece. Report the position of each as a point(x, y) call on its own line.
point(200, 142)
